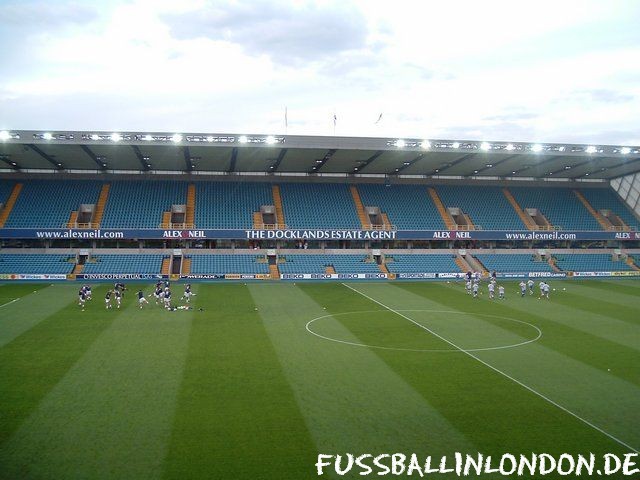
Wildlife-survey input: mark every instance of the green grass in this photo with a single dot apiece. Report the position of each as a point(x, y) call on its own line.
point(241, 389)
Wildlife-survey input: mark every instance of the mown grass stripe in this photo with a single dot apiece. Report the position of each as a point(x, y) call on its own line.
point(567, 329)
point(489, 409)
point(236, 416)
point(34, 362)
point(351, 400)
point(594, 393)
point(504, 374)
point(37, 302)
point(110, 415)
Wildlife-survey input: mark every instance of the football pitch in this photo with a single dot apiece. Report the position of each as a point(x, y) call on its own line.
point(258, 379)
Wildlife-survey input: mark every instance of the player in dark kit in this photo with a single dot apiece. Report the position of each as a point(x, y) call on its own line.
point(141, 299)
point(107, 299)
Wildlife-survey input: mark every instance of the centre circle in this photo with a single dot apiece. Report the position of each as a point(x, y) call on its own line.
point(451, 345)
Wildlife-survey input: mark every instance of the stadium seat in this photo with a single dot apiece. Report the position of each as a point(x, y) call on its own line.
point(35, 264)
point(139, 204)
point(408, 207)
point(514, 263)
point(435, 263)
point(310, 205)
point(142, 264)
point(487, 206)
point(221, 264)
point(559, 205)
point(590, 263)
point(230, 205)
point(48, 203)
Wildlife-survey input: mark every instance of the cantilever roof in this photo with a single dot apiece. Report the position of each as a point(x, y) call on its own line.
point(168, 152)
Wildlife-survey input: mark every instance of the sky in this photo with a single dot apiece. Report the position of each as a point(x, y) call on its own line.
point(543, 71)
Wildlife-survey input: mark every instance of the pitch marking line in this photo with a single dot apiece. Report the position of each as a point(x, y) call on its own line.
point(9, 303)
point(497, 370)
point(449, 350)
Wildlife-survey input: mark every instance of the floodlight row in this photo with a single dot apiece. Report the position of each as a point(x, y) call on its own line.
point(175, 138)
point(507, 147)
point(273, 140)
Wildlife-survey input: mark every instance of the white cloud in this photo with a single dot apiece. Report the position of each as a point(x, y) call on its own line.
point(496, 70)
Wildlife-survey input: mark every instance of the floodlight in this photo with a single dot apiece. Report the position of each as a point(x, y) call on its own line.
point(147, 138)
point(489, 165)
point(400, 143)
point(426, 144)
point(243, 139)
point(176, 138)
point(4, 135)
point(536, 148)
point(95, 137)
point(625, 150)
point(567, 167)
point(561, 149)
point(115, 137)
point(209, 139)
point(591, 149)
point(47, 136)
point(456, 145)
point(485, 146)
point(406, 164)
point(270, 140)
point(509, 147)
point(475, 171)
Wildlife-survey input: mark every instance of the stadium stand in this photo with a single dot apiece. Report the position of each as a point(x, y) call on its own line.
point(590, 263)
point(221, 264)
point(230, 205)
point(35, 264)
point(318, 264)
point(421, 263)
point(143, 264)
point(310, 205)
point(408, 207)
point(5, 190)
point(487, 206)
point(606, 199)
point(140, 204)
point(48, 204)
point(559, 205)
point(520, 263)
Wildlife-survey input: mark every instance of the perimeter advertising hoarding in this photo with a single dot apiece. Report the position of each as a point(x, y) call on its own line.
point(310, 234)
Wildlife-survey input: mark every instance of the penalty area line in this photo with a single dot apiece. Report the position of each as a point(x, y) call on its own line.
point(9, 303)
point(497, 370)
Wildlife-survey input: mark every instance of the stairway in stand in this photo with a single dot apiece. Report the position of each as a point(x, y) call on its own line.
point(274, 272)
point(446, 217)
point(166, 266)
point(191, 206)
point(277, 202)
point(73, 220)
point(601, 220)
point(632, 264)
point(552, 263)
point(186, 266)
point(518, 209)
point(364, 222)
point(102, 202)
point(11, 201)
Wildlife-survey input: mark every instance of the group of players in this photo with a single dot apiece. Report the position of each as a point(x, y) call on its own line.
point(473, 279)
point(162, 295)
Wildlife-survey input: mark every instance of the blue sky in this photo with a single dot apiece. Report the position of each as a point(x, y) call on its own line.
point(496, 70)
